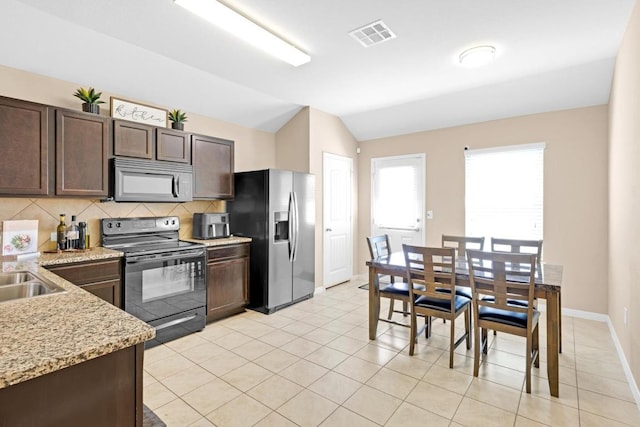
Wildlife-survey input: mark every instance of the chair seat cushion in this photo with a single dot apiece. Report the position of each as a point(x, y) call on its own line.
point(442, 304)
point(518, 302)
point(401, 288)
point(460, 290)
point(505, 316)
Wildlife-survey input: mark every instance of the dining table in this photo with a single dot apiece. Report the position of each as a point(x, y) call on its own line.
point(547, 286)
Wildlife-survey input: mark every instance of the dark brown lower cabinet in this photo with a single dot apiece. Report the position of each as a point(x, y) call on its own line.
point(227, 280)
point(105, 391)
point(101, 278)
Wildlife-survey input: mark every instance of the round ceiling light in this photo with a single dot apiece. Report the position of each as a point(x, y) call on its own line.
point(477, 56)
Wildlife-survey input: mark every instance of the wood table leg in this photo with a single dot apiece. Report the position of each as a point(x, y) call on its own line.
point(559, 322)
point(374, 303)
point(552, 342)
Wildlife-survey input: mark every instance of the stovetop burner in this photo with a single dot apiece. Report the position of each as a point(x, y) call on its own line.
point(151, 248)
point(146, 235)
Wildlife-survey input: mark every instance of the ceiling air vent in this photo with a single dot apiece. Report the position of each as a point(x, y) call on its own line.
point(371, 34)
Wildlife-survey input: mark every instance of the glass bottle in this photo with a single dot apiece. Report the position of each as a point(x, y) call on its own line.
point(72, 234)
point(61, 235)
point(87, 238)
point(82, 235)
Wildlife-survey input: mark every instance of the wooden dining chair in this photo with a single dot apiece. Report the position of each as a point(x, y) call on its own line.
point(378, 247)
point(504, 277)
point(519, 246)
point(434, 270)
point(461, 244)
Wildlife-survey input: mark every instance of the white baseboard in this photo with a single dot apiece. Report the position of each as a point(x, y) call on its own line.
point(589, 315)
point(627, 369)
point(319, 290)
point(599, 317)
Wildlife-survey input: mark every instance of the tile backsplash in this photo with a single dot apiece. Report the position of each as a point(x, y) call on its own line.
point(47, 211)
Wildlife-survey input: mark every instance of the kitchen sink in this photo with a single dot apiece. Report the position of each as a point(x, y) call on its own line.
point(25, 284)
point(16, 277)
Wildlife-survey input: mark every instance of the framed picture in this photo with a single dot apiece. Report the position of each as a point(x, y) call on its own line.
point(134, 112)
point(19, 237)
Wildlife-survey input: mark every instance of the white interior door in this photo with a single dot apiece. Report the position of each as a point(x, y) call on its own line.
point(338, 233)
point(397, 199)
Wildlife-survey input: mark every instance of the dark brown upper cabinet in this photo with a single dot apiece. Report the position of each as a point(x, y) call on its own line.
point(82, 154)
point(26, 139)
point(173, 145)
point(133, 139)
point(212, 167)
point(142, 141)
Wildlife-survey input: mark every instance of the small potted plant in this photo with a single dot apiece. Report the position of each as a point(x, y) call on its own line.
point(91, 99)
point(177, 118)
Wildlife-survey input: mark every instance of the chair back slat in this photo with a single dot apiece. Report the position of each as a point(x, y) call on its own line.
point(503, 276)
point(462, 243)
point(431, 268)
point(379, 246)
point(517, 246)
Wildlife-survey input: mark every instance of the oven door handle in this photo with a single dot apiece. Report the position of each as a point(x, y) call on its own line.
point(175, 322)
point(165, 256)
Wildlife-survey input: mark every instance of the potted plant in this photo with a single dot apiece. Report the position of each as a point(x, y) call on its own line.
point(177, 118)
point(91, 99)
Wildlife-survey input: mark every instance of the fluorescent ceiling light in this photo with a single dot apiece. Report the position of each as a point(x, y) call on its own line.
point(477, 56)
point(236, 24)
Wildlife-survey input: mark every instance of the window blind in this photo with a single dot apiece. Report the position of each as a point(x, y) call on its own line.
point(504, 192)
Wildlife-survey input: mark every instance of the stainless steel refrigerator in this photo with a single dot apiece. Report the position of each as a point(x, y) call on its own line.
point(276, 208)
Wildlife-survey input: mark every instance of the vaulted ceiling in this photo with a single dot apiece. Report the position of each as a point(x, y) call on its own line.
point(551, 55)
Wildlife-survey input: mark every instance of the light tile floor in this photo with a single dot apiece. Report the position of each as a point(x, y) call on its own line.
point(313, 364)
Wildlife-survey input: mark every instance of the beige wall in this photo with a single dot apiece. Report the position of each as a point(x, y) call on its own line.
point(329, 135)
point(292, 143)
point(254, 149)
point(575, 189)
point(47, 210)
point(624, 194)
point(299, 147)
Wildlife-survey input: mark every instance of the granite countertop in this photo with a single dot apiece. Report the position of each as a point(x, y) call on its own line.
point(220, 242)
point(93, 254)
point(44, 334)
point(47, 333)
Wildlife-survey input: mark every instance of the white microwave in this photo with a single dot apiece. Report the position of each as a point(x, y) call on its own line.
point(151, 181)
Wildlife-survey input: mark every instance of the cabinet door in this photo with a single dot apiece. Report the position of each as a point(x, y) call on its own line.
point(212, 167)
point(109, 290)
point(173, 145)
point(227, 286)
point(82, 154)
point(133, 139)
point(26, 136)
point(101, 278)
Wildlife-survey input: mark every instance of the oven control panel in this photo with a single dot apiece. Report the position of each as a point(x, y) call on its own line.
point(117, 226)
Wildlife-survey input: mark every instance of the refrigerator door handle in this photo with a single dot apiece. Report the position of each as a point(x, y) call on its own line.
point(291, 227)
point(296, 226)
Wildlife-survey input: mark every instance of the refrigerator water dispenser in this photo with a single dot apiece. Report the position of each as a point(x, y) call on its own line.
point(281, 226)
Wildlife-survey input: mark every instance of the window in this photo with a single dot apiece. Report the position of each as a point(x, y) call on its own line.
point(504, 192)
point(398, 191)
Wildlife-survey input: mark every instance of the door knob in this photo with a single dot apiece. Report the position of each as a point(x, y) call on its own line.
point(328, 230)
